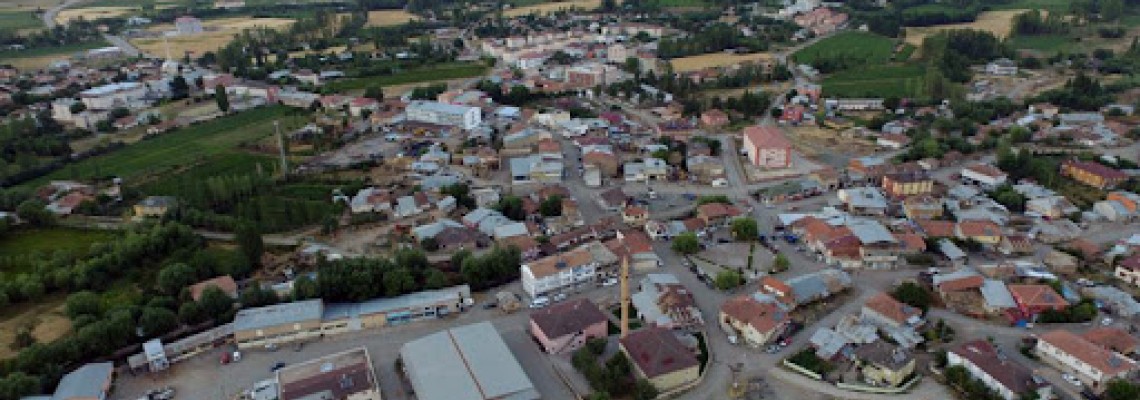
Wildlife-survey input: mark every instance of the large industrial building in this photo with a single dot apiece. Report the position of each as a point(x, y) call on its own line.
point(434, 112)
point(471, 362)
point(345, 375)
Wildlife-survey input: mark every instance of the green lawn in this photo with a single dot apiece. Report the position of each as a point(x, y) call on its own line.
point(28, 242)
point(874, 48)
point(1051, 5)
point(1046, 43)
point(876, 81)
point(16, 20)
point(182, 147)
point(426, 74)
point(52, 51)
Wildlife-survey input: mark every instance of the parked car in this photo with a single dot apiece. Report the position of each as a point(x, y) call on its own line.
point(540, 302)
point(610, 282)
point(165, 393)
point(490, 305)
point(559, 297)
point(1106, 321)
point(1072, 379)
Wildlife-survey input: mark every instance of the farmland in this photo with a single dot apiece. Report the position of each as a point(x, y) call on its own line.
point(995, 22)
point(547, 8)
point(29, 242)
point(92, 13)
point(18, 20)
point(390, 17)
point(696, 63)
point(217, 33)
point(215, 140)
point(876, 81)
point(43, 56)
point(457, 70)
point(872, 48)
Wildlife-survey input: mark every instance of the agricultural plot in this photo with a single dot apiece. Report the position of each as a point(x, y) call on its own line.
point(42, 57)
point(27, 243)
point(874, 49)
point(998, 23)
point(547, 8)
point(19, 20)
point(390, 18)
point(214, 141)
point(876, 81)
point(696, 63)
point(93, 13)
point(45, 318)
point(218, 33)
point(443, 72)
point(1047, 5)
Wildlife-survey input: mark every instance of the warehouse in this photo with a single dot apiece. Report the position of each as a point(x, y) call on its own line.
point(280, 323)
point(348, 317)
point(471, 362)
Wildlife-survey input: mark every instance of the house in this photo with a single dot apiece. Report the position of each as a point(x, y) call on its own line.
point(1051, 207)
point(1092, 174)
point(662, 301)
point(714, 119)
point(606, 162)
point(1091, 364)
point(116, 95)
point(636, 246)
point(1128, 270)
point(454, 238)
point(634, 215)
point(984, 175)
point(754, 318)
point(1032, 299)
point(1015, 244)
point(894, 141)
point(1009, 379)
point(1119, 206)
point(717, 214)
point(658, 356)
point(937, 228)
point(766, 147)
point(705, 169)
point(155, 206)
point(981, 231)
point(863, 200)
point(612, 199)
point(884, 363)
point(922, 208)
point(1112, 338)
point(885, 310)
point(853, 104)
point(187, 25)
point(1002, 67)
point(907, 184)
point(567, 326)
point(225, 283)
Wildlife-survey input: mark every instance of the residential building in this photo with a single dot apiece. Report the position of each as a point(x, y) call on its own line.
point(863, 200)
point(1092, 173)
point(1002, 66)
point(894, 141)
point(664, 302)
point(154, 206)
point(717, 214)
point(565, 327)
point(907, 184)
point(922, 208)
point(984, 175)
point(434, 112)
point(658, 356)
point(766, 147)
point(1112, 338)
point(1128, 270)
point(344, 375)
point(116, 95)
point(854, 104)
point(755, 319)
point(470, 362)
point(1051, 206)
point(1091, 364)
point(569, 269)
point(633, 215)
point(884, 309)
point(714, 119)
point(1009, 379)
point(1032, 299)
point(884, 363)
point(981, 231)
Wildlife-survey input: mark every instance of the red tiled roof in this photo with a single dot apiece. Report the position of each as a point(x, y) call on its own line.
point(1037, 296)
point(225, 283)
point(1014, 376)
point(1103, 360)
point(934, 228)
point(657, 352)
point(764, 317)
point(764, 137)
point(987, 170)
point(965, 283)
point(979, 228)
point(887, 306)
point(1111, 338)
point(1098, 169)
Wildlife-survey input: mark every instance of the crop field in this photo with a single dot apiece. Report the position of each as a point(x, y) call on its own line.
point(1047, 5)
point(183, 147)
point(217, 33)
point(456, 70)
point(876, 81)
point(696, 63)
point(390, 17)
point(37, 58)
point(874, 48)
point(93, 13)
point(995, 22)
point(547, 8)
point(19, 20)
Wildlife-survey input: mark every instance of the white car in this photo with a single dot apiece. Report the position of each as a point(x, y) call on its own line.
point(559, 297)
point(540, 302)
point(1072, 379)
point(1106, 321)
point(610, 282)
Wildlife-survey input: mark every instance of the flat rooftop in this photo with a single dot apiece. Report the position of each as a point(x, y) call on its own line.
point(337, 375)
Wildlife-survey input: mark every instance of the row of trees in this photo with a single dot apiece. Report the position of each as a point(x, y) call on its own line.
point(407, 271)
point(615, 378)
point(711, 39)
point(28, 145)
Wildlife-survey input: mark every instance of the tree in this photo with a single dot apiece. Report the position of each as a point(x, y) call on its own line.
point(250, 242)
point(599, 395)
point(84, 303)
point(255, 296)
point(780, 263)
point(215, 303)
point(429, 244)
point(551, 207)
point(34, 212)
point(644, 390)
point(17, 384)
point(179, 89)
point(914, 295)
point(222, 98)
point(745, 229)
point(686, 243)
point(374, 92)
point(190, 313)
point(1120, 389)
point(511, 207)
point(174, 277)
point(728, 279)
point(1111, 10)
point(304, 288)
point(157, 321)
point(435, 279)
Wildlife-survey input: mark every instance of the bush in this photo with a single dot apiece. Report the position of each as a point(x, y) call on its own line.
point(728, 279)
point(807, 359)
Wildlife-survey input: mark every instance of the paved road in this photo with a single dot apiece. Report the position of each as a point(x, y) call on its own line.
point(49, 17)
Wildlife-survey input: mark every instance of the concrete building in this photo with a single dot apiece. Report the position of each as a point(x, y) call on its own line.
point(470, 362)
point(1002, 66)
point(884, 364)
point(1093, 174)
point(755, 319)
point(344, 375)
point(1093, 365)
point(115, 95)
point(907, 184)
point(766, 147)
point(984, 175)
point(658, 356)
point(664, 302)
point(89, 382)
point(427, 304)
point(566, 327)
point(1009, 379)
point(566, 270)
point(434, 112)
point(155, 206)
point(278, 324)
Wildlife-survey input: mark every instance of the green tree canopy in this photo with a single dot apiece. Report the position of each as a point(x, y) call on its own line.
point(686, 243)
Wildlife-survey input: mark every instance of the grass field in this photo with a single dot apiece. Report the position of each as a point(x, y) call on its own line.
point(26, 4)
point(93, 13)
point(546, 8)
point(218, 166)
point(1044, 43)
point(46, 240)
point(876, 81)
point(1049, 5)
point(182, 147)
point(218, 33)
point(19, 20)
point(456, 70)
point(37, 58)
point(390, 17)
point(877, 49)
point(695, 63)
point(995, 22)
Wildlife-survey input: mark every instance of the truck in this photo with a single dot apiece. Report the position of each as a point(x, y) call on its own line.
point(508, 302)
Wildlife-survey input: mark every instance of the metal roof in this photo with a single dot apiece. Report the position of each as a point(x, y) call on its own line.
point(870, 232)
point(278, 314)
point(470, 362)
point(442, 108)
point(996, 294)
point(86, 382)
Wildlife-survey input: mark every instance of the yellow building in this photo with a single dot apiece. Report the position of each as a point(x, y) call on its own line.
point(884, 364)
point(907, 184)
point(660, 358)
point(154, 206)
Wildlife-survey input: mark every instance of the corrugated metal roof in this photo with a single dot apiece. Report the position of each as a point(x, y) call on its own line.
point(470, 362)
point(278, 314)
point(86, 382)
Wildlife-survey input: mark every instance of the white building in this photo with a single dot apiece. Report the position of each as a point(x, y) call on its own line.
point(1002, 66)
point(985, 175)
point(434, 112)
point(1009, 379)
point(1073, 354)
point(567, 270)
point(115, 95)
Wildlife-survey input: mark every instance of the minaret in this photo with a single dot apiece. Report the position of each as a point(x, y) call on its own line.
point(624, 297)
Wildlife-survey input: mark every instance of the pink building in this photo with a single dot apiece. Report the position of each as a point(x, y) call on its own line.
point(565, 327)
point(767, 147)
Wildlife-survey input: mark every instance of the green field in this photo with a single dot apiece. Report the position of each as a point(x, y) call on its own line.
point(226, 164)
point(874, 48)
point(876, 81)
point(183, 147)
point(1050, 5)
point(29, 242)
point(680, 3)
point(17, 20)
point(1046, 43)
point(456, 70)
point(52, 51)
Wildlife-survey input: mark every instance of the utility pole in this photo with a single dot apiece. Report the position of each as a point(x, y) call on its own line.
point(281, 148)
